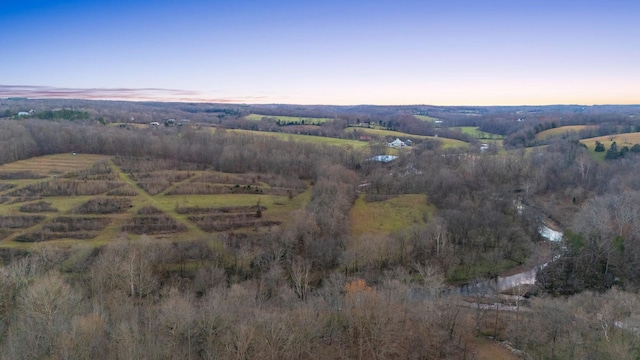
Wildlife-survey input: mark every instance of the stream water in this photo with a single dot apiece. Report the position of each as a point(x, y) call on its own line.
point(499, 283)
point(550, 234)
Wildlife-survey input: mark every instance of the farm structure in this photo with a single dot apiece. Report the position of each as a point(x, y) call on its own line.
point(397, 143)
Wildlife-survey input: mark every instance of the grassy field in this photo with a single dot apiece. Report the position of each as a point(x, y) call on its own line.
point(628, 139)
point(321, 140)
point(446, 143)
point(544, 135)
point(425, 118)
point(290, 119)
point(473, 131)
point(76, 206)
point(384, 217)
point(53, 164)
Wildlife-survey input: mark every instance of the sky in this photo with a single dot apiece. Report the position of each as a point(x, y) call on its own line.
point(342, 52)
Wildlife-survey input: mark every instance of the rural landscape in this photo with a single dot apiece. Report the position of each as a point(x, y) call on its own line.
point(160, 230)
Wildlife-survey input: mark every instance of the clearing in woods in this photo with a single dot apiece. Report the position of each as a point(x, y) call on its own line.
point(477, 133)
point(92, 199)
point(390, 215)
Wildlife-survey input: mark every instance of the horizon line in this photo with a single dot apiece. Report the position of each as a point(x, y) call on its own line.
point(166, 95)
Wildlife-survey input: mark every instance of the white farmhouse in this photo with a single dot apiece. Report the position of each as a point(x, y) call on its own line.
point(396, 143)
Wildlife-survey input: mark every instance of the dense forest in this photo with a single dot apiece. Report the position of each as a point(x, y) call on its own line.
point(308, 288)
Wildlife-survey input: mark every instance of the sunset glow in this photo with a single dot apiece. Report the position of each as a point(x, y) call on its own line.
point(374, 52)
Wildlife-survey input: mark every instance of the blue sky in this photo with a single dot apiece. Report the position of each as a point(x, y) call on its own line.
point(459, 52)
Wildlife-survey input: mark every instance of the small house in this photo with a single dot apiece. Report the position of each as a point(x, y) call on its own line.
point(397, 143)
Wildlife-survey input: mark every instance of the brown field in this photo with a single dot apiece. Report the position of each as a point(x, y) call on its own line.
point(627, 139)
point(53, 164)
point(556, 132)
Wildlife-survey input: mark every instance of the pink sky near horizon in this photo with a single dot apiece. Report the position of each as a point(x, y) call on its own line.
point(461, 52)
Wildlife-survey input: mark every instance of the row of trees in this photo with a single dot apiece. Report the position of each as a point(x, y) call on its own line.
point(614, 153)
point(219, 150)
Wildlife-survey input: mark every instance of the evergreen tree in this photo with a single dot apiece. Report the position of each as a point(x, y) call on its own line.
point(599, 146)
point(613, 152)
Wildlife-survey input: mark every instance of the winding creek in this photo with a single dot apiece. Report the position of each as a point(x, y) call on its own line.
point(500, 284)
point(495, 285)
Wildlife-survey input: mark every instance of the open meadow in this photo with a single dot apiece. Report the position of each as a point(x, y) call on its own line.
point(318, 140)
point(562, 131)
point(384, 217)
point(626, 139)
point(446, 142)
point(474, 131)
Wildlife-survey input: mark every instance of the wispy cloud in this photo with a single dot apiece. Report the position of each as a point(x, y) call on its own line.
point(139, 94)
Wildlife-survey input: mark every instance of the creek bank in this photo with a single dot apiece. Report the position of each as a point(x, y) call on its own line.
point(501, 284)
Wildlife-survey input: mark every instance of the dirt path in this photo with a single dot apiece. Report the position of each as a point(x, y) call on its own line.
point(144, 199)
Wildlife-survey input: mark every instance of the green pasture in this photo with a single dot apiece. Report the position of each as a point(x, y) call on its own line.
point(290, 119)
point(477, 133)
point(385, 217)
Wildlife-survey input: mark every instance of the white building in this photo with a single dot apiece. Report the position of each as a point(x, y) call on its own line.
point(383, 158)
point(396, 143)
